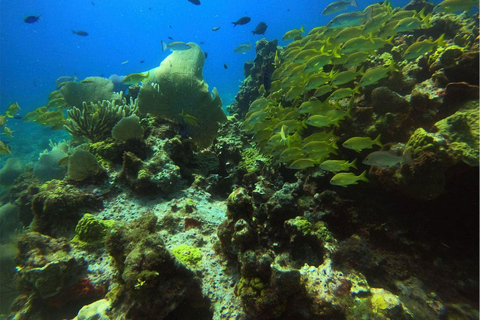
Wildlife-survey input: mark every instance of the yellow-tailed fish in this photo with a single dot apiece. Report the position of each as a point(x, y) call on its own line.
point(312, 106)
point(343, 93)
point(188, 119)
point(316, 80)
point(345, 77)
point(360, 143)
point(375, 74)
point(293, 93)
point(304, 55)
point(320, 136)
point(338, 6)
point(355, 59)
point(452, 6)
point(319, 146)
point(421, 47)
point(350, 19)
point(293, 34)
point(12, 110)
point(347, 34)
point(338, 165)
point(374, 25)
point(259, 104)
point(321, 121)
point(301, 164)
point(412, 23)
point(345, 179)
point(135, 78)
point(317, 62)
point(385, 159)
point(322, 90)
point(8, 132)
point(3, 120)
point(4, 149)
point(388, 29)
point(291, 154)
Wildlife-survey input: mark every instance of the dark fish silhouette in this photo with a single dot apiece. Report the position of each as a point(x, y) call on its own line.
point(206, 55)
point(170, 38)
point(93, 3)
point(80, 33)
point(241, 21)
point(260, 29)
point(197, 2)
point(31, 19)
point(142, 61)
point(225, 66)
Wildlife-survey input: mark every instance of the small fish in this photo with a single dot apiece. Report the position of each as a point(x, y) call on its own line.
point(452, 6)
point(321, 121)
point(3, 120)
point(142, 61)
point(170, 26)
point(375, 74)
point(345, 179)
point(195, 2)
point(170, 38)
point(215, 28)
point(31, 19)
point(294, 34)
point(135, 78)
point(243, 48)
point(338, 6)
point(4, 149)
point(350, 19)
point(385, 159)
point(188, 119)
point(8, 132)
point(301, 164)
point(17, 116)
point(336, 166)
point(12, 110)
point(241, 21)
point(225, 66)
point(125, 62)
point(421, 47)
point(63, 79)
point(80, 33)
point(206, 55)
point(343, 93)
point(93, 3)
point(260, 29)
point(175, 46)
point(360, 143)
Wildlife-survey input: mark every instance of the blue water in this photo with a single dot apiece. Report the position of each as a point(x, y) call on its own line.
point(34, 55)
point(121, 34)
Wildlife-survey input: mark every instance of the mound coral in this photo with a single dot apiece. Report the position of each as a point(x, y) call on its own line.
point(181, 94)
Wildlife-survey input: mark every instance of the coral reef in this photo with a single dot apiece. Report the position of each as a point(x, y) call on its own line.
point(90, 232)
point(48, 166)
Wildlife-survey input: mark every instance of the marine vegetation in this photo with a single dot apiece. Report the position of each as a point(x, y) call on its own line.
point(181, 94)
point(95, 121)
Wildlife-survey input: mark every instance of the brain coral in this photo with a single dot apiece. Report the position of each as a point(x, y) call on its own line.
point(180, 93)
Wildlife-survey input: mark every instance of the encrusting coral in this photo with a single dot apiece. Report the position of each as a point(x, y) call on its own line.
point(181, 94)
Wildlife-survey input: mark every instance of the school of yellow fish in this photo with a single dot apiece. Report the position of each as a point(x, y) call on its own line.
point(294, 122)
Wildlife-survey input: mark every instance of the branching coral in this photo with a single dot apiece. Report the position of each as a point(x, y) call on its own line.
point(95, 121)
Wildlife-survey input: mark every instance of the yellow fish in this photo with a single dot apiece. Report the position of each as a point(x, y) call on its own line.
point(336, 166)
point(301, 164)
point(293, 34)
point(4, 149)
point(12, 110)
point(360, 143)
point(345, 179)
point(135, 78)
point(7, 132)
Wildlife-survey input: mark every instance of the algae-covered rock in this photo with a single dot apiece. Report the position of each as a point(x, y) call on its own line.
point(94, 311)
point(386, 305)
point(188, 255)
point(462, 132)
point(91, 232)
point(181, 94)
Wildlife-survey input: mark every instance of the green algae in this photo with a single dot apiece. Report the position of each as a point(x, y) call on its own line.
point(188, 255)
point(91, 232)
